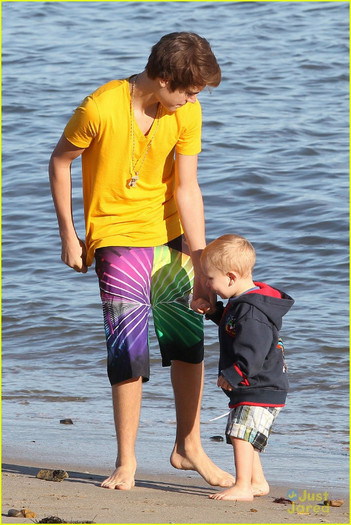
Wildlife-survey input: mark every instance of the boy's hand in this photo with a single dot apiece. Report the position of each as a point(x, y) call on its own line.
point(201, 306)
point(223, 383)
point(73, 254)
point(204, 300)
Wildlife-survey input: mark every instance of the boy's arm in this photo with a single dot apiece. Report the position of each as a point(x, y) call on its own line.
point(212, 313)
point(73, 249)
point(216, 313)
point(251, 344)
point(191, 212)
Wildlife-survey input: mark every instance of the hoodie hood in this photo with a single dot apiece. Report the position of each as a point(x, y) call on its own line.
point(271, 301)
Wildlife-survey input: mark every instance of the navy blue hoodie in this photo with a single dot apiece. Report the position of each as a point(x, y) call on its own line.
point(251, 353)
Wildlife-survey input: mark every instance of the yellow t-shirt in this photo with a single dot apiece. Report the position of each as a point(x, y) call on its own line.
point(116, 214)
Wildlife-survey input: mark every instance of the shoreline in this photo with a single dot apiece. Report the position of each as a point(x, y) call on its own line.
point(179, 497)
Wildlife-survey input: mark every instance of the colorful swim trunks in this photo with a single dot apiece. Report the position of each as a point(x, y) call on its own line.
point(135, 282)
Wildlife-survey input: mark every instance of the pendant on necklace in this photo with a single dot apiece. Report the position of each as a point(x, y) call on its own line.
point(133, 180)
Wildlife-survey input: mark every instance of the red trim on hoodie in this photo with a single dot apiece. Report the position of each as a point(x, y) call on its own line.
point(256, 404)
point(265, 289)
point(241, 374)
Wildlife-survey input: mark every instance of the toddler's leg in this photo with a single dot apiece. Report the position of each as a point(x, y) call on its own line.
point(244, 463)
point(259, 483)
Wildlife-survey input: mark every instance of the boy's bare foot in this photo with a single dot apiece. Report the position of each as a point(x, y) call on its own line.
point(234, 494)
point(261, 489)
point(202, 464)
point(121, 479)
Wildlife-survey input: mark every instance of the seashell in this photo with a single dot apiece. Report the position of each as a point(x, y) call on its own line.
point(334, 502)
point(27, 513)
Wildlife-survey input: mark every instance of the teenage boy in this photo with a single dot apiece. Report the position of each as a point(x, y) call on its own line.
point(139, 139)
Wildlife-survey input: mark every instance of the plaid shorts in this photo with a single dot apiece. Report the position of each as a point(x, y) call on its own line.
point(252, 424)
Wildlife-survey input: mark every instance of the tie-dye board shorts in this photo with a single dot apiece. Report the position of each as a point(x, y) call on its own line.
point(135, 282)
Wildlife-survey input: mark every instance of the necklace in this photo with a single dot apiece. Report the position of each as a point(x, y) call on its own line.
point(137, 164)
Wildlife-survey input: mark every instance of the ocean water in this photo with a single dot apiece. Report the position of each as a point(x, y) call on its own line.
point(274, 167)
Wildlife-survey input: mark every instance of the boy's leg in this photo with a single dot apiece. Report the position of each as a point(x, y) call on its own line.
point(126, 407)
point(124, 279)
point(248, 429)
point(188, 454)
point(244, 461)
point(259, 483)
point(180, 334)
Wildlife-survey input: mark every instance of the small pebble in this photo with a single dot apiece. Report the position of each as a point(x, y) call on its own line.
point(14, 513)
point(23, 513)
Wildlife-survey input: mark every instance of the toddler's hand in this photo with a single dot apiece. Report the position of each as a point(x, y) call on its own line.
point(223, 383)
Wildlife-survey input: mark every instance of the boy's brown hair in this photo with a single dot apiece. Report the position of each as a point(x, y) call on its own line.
point(230, 252)
point(184, 59)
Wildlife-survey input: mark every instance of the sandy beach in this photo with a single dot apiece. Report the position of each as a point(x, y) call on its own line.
point(181, 497)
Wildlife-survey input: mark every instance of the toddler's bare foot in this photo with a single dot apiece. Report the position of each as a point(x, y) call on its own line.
point(234, 494)
point(121, 479)
point(201, 463)
point(260, 489)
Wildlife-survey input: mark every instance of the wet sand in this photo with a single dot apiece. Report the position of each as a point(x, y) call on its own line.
point(181, 497)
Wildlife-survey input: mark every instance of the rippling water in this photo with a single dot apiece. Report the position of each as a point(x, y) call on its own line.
point(274, 168)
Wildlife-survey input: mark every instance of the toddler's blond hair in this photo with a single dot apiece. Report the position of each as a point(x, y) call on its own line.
point(230, 252)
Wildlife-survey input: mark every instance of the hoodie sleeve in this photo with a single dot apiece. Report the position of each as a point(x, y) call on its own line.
point(249, 348)
point(216, 316)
